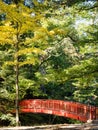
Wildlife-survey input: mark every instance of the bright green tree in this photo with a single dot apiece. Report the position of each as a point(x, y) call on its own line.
point(83, 73)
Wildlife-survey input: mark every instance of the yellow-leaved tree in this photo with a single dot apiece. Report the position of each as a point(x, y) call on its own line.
point(20, 29)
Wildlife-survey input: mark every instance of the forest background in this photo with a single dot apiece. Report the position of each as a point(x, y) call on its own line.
point(48, 50)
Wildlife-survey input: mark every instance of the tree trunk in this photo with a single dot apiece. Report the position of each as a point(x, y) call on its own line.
point(17, 77)
point(17, 96)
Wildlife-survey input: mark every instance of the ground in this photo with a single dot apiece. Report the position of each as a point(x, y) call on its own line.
point(87, 126)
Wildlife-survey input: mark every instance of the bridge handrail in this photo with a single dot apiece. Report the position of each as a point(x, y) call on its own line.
point(59, 107)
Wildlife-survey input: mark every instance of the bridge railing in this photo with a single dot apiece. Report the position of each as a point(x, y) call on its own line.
point(97, 113)
point(58, 107)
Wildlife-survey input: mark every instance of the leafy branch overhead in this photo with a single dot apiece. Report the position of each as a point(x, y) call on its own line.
point(83, 69)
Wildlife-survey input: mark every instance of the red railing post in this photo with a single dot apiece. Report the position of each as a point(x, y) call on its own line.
point(90, 113)
point(96, 113)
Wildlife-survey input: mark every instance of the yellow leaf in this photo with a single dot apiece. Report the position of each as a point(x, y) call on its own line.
point(30, 50)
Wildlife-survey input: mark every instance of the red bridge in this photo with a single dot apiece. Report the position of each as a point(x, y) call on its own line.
point(72, 110)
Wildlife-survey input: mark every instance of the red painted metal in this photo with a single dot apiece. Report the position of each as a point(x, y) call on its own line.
point(72, 110)
point(97, 113)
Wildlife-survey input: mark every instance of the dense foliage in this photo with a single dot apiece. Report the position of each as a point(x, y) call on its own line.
point(49, 49)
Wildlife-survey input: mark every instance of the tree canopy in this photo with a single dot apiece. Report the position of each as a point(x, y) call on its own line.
point(49, 49)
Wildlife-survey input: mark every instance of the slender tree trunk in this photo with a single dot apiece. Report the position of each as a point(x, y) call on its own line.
point(17, 96)
point(17, 78)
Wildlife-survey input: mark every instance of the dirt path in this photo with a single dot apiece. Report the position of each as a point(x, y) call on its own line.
point(56, 127)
